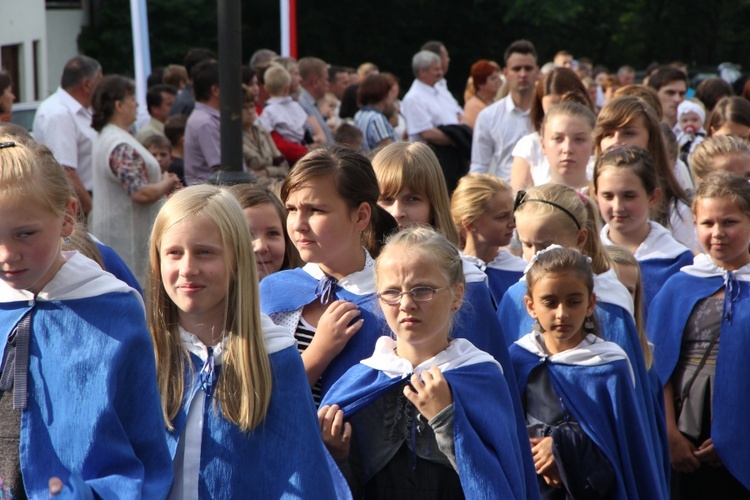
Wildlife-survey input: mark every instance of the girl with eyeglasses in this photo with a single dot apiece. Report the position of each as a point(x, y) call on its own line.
point(409, 417)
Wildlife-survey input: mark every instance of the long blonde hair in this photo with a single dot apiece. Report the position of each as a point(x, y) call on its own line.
point(244, 387)
point(413, 165)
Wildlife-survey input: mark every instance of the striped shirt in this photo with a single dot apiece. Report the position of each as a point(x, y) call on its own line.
point(304, 334)
point(374, 126)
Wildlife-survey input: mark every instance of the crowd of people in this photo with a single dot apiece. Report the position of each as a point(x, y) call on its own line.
point(520, 297)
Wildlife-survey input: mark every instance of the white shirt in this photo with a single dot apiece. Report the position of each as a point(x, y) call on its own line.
point(64, 126)
point(425, 107)
point(498, 128)
point(286, 117)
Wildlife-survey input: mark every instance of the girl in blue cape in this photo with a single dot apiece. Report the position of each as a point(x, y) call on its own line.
point(236, 404)
point(335, 223)
point(556, 214)
point(482, 209)
point(583, 414)
point(626, 189)
point(699, 326)
point(426, 415)
point(78, 398)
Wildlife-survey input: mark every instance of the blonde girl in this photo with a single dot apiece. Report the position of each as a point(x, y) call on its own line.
point(698, 323)
point(626, 188)
point(482, 208)
point(721, 153)
point(266, 218)
point(233, 389)
point(567, 141)
point(334, 221)
point(75, 387)
point(629, 121)
point(409, 417)
point(583, 412)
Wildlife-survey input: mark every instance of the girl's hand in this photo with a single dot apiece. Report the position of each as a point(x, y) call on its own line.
point(706, 453)
point(433, 394)
point(682, 453)
point(334, 330)
point(336, 433)
point(544, 460)
point(55, 486)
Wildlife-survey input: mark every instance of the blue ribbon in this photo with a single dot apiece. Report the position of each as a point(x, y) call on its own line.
point(731, 294)
point(325, 289)
point(207, 375)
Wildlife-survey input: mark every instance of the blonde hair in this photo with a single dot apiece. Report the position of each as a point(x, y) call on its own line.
point(30, 171)
point(276, 78)
point(413, 165)
point(244, 387)
point(724, 186)
point(702, 158)
point(80, 241)
point(549, 200)
point(623, 257)
point(472, 197)
point(571, 109)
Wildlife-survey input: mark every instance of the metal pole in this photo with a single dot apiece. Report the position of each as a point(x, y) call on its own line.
point(230, 83)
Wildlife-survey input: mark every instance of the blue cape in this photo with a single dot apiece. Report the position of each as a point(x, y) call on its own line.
point(617, 325)
point(488, 451)
point(94, 414)
point(500, 280)
point(602, 400)
point(114, 264)
point(670, 311)
point(293, 289)
point(656, 272)
point(283, 457)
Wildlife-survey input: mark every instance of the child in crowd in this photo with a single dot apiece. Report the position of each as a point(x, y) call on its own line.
point(334, 220)
point(234, 395)
point(584, 416)
point(259, 151)
point(731, 116)
point(629, 121)
point(482, 209)
point(348, 135)
point(426, 413)
point(174, 130)
point(78, 398)
point(721, 153)
point(266, 218)
point(283, 114)
point(161, 148)
point(568, 143)
point(698, 323)
point(626, 188)
point(556, 214)
point(690, 118)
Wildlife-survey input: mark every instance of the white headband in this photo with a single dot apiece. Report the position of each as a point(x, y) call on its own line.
point(691, 107)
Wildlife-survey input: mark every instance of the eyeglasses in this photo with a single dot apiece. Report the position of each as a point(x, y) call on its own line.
point(418, 294)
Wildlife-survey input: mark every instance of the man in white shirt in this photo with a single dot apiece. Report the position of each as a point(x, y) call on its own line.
point(425, 107)
point(63, 124)
point(500, 125)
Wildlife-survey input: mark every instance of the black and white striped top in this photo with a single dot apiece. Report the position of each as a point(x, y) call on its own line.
point(304, 334)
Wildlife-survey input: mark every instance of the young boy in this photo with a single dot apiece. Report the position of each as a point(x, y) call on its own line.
point(174, 130)
point(284, 115)
point(159, 146)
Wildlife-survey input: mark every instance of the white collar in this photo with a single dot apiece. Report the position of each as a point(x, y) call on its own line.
point(592, 351)
point(659, 243)
point(78, 278)
point(359, 282)
point(609, 289)
point(425, 88)
point(275, 337)
point(506, 261)
point(69, 101)
point(704, 267)
point(472, 274)
point(460, 352)
point(510, 106)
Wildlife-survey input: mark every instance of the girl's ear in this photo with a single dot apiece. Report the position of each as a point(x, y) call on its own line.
point(458, 296)
point(654, 197)
point(362, 216)
point(69, 217)
point(529, 306)
point(467, 225)
point(592, 305)
point(581, 237)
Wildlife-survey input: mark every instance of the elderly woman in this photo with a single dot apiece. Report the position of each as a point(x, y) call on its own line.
point(129, 186)
point(487, 81)
point(374, 97)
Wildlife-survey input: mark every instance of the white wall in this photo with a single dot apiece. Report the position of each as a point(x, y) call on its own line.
point(23, 22)
point(63, 28)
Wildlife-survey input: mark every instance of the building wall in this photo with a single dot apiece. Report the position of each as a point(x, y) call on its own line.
point(63, 28)
point(22, 23)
